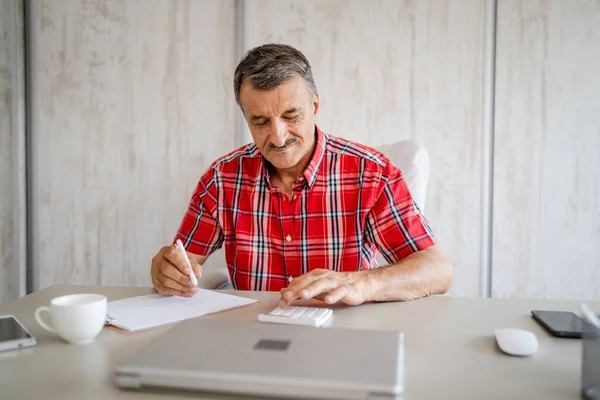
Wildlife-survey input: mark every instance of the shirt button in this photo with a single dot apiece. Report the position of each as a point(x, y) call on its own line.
point(294, 197)
point(288, 238)
point(290, 278)
point(301, 178)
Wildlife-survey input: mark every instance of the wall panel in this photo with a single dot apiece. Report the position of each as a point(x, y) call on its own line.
point(546, 219)
point(132, 101)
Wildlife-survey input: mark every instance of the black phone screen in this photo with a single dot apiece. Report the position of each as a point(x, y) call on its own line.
point(560, 323)
point(10, 329)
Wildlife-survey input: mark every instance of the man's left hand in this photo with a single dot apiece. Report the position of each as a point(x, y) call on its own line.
point(330, 286)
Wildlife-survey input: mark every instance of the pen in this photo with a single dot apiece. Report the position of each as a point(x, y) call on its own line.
point(179, 246)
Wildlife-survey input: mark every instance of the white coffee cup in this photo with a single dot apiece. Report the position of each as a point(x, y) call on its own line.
point(77, 318)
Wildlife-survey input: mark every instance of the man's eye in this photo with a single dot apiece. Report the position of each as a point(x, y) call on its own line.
point(290, 118)
point(261, 123)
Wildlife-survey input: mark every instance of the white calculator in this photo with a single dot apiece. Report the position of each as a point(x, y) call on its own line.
point(312, 316)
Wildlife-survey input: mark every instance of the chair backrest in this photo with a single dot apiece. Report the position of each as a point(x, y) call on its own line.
point(413, 161)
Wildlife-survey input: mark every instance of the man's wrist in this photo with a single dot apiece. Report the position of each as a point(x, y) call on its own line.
point(369, 284)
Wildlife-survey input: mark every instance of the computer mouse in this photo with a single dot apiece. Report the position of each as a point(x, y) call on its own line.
point(516, 342)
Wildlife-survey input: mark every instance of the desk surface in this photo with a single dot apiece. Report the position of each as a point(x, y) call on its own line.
point(450, 349)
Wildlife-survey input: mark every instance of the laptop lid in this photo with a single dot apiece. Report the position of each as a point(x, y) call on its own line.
point(212, 355)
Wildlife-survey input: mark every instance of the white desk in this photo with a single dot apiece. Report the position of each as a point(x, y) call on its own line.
point(450, 350)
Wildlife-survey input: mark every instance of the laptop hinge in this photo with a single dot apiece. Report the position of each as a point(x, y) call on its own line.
point(384, 396)
point(128, 380)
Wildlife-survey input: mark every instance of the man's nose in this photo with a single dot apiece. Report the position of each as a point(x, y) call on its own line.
point(279, 133)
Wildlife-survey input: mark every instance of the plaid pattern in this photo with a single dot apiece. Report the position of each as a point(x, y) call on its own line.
point(349, 203)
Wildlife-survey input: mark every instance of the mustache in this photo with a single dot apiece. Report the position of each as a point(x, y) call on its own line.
point(288, 143)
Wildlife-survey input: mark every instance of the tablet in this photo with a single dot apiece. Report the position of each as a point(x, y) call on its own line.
point(13, 335)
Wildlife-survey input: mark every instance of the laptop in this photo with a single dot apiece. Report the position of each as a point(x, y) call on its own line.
point(269, 360)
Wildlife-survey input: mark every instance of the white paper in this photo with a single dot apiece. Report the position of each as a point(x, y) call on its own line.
point(136, 313)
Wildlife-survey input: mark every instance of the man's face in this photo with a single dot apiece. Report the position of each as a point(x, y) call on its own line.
point(282, 121)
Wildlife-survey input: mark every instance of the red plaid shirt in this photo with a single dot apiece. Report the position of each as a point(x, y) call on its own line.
point(349, 203)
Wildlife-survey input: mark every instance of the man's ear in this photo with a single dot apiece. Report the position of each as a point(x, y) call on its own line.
point(316, 103)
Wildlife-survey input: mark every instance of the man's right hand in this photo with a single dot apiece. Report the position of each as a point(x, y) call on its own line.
point(170, 273)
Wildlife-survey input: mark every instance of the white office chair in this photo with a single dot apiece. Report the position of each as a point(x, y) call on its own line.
point(214, 272)
point(411, 158)
point(413, 161)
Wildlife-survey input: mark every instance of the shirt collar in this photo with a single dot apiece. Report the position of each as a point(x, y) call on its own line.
point(312, 170)
point(309, 176)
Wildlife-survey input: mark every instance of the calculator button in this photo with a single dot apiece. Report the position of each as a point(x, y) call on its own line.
point(288, 311)
point(321, 313)
point(310, 312)
point(298, 312)
point(276, 311)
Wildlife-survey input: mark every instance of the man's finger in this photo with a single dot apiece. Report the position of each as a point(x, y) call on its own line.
point(173, 256)
point(289, 294)
point(172, 284)
point(174, 292)
point(337, 294)
point(170, 271)
point(306, 287)
point(162, 289)
point(287, 299)
point(320, 286)
point(302, 282)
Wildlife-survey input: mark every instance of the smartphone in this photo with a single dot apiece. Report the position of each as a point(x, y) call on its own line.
point(563, 324)
point(13, 335)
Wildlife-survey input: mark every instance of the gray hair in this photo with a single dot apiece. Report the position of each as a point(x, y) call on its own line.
point(270, 65)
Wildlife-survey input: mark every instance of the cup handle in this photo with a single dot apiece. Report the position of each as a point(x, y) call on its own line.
point(39, 319)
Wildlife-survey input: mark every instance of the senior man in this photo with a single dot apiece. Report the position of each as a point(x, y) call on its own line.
point(301, 211)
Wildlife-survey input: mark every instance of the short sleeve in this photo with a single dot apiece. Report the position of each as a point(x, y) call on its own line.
point(200, 230)
point(395, 224)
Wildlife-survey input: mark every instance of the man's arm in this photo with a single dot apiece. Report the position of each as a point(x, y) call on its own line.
point(201, 231)
point(421, 274)
point(402, 234)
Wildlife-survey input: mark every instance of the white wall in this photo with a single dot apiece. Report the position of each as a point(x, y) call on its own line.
point(546, 226)
point(12, 152)
point(131, 102)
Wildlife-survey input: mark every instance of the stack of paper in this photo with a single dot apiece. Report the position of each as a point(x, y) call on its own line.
point(143, 312)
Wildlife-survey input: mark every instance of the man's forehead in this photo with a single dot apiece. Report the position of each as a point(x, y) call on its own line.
point(284, 97)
